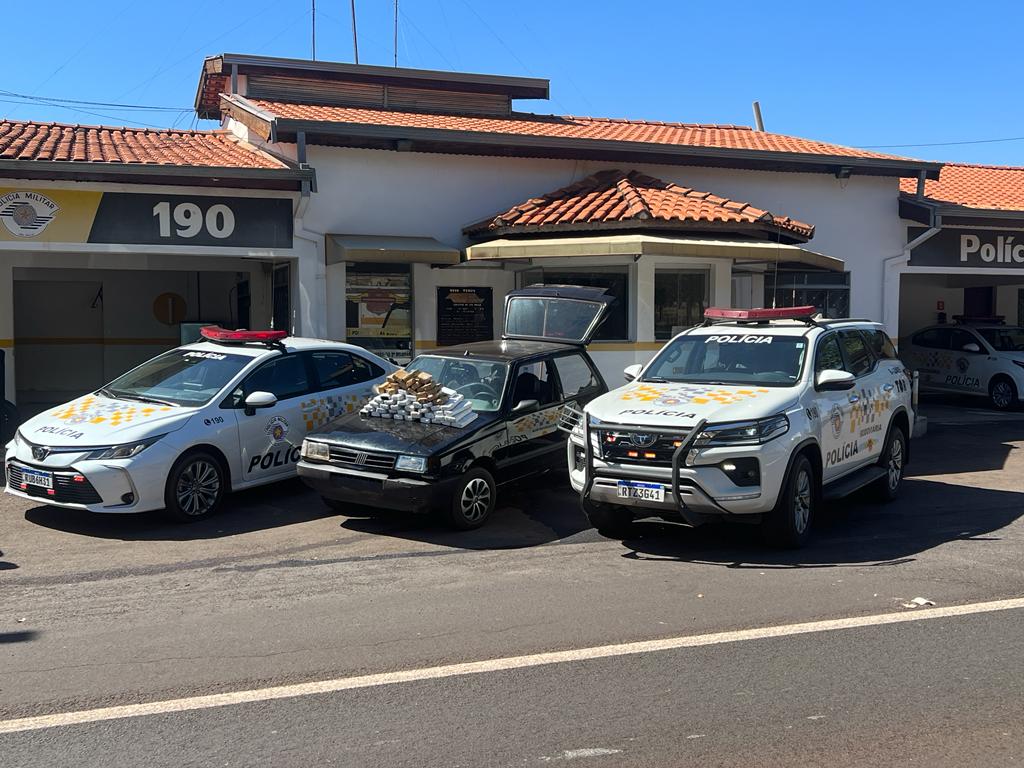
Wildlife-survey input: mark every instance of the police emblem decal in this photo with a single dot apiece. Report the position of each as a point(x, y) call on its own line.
point(835, 416)
point(277, 429)
point(26, 214)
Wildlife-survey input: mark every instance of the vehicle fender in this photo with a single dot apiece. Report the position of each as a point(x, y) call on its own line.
point(907, 428)
point(216, 452)
point(814, 454)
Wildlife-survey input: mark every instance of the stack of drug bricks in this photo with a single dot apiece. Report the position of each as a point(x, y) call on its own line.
point(415, 396)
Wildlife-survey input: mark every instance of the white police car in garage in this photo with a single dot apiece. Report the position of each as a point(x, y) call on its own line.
point(182, 429)
point(984, 358)
point(757, 416)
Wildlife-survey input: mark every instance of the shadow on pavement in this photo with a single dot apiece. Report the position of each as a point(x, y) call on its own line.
point(18, 637)
point(977, 448)
point(272, 506)
point(542, 511)
point(853, 532)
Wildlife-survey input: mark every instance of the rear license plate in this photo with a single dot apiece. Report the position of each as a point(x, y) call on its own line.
point(628, 489)
point(36, 477)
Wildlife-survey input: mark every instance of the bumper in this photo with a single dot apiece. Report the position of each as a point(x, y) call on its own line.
point(371, 489)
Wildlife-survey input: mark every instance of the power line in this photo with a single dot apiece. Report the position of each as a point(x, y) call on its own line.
point(54, 101)
point(115, 118)
point(940, 143)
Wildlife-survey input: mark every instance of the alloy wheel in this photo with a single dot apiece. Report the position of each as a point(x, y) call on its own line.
point(475, 500)
point(802, 501)
point(895, 468)
point(1002, 394)
point(198, 487)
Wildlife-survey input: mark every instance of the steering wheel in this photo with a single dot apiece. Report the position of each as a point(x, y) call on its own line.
point(477, 390)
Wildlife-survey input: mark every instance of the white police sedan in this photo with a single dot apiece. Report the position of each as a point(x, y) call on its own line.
point(182, 429)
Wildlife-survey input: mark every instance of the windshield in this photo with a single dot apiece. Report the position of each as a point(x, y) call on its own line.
point(479, 381)
point(550, 318)
point(740, 358)
point(1004, 339)
point(180, 377)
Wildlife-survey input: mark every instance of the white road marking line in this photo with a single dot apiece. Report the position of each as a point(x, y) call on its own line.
point(495, 665)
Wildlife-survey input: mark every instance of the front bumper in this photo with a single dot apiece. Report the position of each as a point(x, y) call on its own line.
point(375, 489)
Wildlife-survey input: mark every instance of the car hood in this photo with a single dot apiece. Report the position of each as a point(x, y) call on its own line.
point(95, 420)
point(371, 433)
point(652, 404)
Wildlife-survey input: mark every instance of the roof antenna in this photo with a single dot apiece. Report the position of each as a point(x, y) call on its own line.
point(396, 33)
point(314, 30)
point(355, 36)
point(757, 116)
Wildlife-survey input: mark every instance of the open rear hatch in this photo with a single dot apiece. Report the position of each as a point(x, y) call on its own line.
point(567, 314)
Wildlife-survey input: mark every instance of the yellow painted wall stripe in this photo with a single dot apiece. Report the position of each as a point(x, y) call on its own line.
point(6, 342)
point(597, 346)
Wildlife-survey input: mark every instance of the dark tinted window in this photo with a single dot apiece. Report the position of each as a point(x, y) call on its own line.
point(575, 375)
point(959, 338)
point(828, 356)
point(881, 345)
point(342, 369)
point(534, 382)
point(284, 376)
point(856, 353)
point(933, 338)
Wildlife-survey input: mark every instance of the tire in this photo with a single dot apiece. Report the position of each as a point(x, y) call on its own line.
point(473, 500)
point(893, 459)
point(196, 486)
point(788, 525)
point(335, 505)
point(1002, 393)
point(610, 520)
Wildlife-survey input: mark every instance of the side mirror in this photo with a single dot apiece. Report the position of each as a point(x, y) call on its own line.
point(971, 347)
point(259, 400)
point(832, 380)
point(631, 372)
point(523, 407)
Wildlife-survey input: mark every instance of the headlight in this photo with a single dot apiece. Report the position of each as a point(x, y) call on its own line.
point(314, 450)
point(743, 432)
point(411, 463)
point(126, 451)
point(19, 441)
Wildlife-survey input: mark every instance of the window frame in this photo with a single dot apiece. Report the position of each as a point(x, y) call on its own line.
point(669, 270)
point(319, 386)
point(514, 371)
point(235, 402)
point(867, 345)
point(595, 374)
point(629, 300)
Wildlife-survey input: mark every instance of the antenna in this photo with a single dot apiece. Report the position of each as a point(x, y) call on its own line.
point(355, 36)
point(396, 33)
point(314, 30)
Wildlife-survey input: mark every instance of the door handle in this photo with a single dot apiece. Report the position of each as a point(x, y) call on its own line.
point(854, 398)
point(887, 388)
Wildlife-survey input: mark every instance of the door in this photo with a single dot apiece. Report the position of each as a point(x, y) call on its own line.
point(931, 357)
point(970, 369)
point(869, 403)
point(834, 410)
point(535, 442)
point(342, 383)
point(270, 439)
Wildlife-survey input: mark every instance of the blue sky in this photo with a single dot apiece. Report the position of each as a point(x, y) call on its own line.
point(863, 74)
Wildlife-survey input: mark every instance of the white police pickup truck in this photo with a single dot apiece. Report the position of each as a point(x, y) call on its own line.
point(182, 429)
point(756, 416)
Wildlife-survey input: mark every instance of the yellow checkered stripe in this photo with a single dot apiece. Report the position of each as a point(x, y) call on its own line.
point(89, 411)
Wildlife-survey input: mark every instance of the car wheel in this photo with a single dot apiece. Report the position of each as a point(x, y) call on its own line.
point(1002, 393)
point(788, 525)
point(611, 520)
point(893, 460)
point(473, 500)
point(195, 488)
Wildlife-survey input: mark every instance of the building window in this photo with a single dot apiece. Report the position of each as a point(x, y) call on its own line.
point(615, 281)
point(828, 291)
point(680, 298)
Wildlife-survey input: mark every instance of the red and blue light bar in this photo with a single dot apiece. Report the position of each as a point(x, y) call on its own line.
point(779, 313)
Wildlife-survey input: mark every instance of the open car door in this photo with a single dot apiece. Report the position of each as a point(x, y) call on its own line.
point(567, 314)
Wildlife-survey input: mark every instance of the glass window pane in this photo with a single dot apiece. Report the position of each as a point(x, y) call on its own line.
point(616, 325)
point(680, 299)
point(575, 375)
point(533, 382)
point(341, 369)
point(858, 357)
point(882, 345)
point(285, 377)
point(828, 356)
point(960, 338)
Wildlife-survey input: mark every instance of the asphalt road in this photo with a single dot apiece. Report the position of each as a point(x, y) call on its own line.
point(102, 611)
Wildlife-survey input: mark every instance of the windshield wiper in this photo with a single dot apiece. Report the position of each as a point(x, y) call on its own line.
point(656, 380)
point(105, 392)
point(142, 398)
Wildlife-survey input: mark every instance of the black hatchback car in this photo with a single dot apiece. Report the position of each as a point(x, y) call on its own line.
point(517, 387)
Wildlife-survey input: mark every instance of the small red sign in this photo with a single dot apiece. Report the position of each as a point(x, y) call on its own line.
point(940, 306)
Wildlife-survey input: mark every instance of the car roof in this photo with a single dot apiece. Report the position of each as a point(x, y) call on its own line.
point(782, 327)
point(505, 351)
point(290, 343)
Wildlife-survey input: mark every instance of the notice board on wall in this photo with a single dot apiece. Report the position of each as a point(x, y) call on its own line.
point(464, 315)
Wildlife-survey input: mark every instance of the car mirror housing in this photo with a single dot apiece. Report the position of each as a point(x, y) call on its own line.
point(971, 347)
point(632, 372)
point(257, 400)
point(524, 407)
point(832, 380)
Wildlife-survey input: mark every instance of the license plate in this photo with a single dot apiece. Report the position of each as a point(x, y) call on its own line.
point(643, 491)
point(35, 477)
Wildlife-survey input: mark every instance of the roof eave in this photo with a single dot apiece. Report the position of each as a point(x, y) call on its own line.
point(154, 173)
point(767, 231)
point(896, 167)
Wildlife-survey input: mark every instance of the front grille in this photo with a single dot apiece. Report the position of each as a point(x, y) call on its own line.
point(350, 457)
point(66, 489)
point(632, 448)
